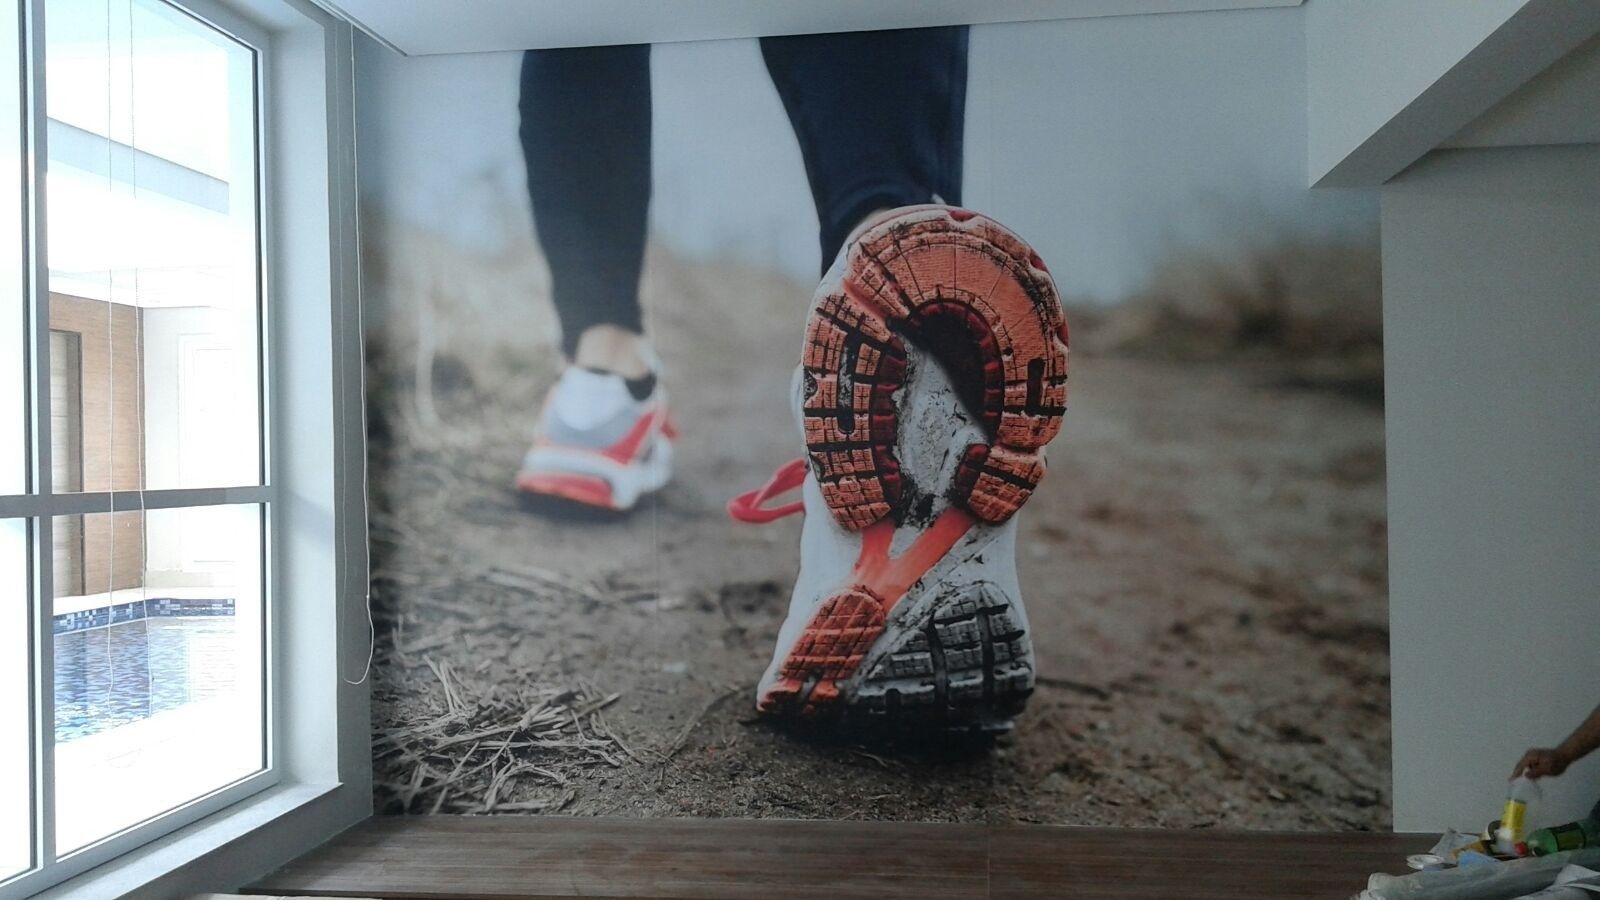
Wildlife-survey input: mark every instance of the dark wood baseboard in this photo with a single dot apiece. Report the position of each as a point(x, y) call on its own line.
point(502, 857)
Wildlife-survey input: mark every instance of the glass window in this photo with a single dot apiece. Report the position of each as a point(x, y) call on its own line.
point(157, 665)
point(13, 262)
point(16, 807)
point(153, 244)
point(133, 504)
point(16, 682)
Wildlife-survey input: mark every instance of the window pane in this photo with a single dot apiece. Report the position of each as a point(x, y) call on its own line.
point(152, 248)
point(16, 733)
point(158, 665)
point(13, 372)
point(16, 807)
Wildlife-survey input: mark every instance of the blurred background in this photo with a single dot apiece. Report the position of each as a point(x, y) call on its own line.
point(1121, 146)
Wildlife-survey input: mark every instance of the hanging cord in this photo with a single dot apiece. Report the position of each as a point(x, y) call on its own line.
point(361, 466)
point(111, 400)
point(138, 362)
point(138, 357)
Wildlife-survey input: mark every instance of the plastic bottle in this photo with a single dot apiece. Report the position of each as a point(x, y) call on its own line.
point(1571, 836)
point(1513, 821)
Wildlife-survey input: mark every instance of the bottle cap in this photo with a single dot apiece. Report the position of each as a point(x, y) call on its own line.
point(1522, 848)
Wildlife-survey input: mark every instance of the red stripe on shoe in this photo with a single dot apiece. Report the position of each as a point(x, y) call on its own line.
point(627, 450)
point(845, 626)
point(585, 489)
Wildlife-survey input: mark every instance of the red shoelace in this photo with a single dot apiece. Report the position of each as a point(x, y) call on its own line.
point(748, 506)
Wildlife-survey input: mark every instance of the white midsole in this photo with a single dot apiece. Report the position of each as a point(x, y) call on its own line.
point(628, 481)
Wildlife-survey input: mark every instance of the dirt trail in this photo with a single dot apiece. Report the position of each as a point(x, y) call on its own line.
point(1204, 567)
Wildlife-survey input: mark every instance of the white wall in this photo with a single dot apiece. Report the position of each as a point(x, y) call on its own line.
point(1366, 60)
point(1390, 81)
point(1113, 143)
point(1491, 324)
point(1108, 141)
point(199, 396)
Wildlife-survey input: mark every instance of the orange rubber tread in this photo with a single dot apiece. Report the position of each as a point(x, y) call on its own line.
point(837, 639)
point(970, 277)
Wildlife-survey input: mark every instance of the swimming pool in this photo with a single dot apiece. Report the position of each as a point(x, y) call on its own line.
point(116, 674)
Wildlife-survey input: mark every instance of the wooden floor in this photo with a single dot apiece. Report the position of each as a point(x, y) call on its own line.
point(499, 857)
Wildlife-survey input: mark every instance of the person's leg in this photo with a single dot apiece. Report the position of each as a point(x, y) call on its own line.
point(879, 117)
point(603, 438)
point(932, 375)
point(586, 139)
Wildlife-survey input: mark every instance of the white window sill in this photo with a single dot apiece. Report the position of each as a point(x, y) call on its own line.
point(167, 858)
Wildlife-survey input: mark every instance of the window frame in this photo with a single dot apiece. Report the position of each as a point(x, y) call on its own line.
point(316, 775)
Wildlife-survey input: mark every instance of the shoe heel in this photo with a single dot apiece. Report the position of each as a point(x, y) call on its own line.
point(981, 301)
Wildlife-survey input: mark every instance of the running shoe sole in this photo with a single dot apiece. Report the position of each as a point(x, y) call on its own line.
point(910, 640)
point(596, 479)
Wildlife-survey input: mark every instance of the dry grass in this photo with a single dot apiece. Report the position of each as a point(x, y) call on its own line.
point(1312, 308)
point(491, 738)
point(495, 738)
point(498, 737)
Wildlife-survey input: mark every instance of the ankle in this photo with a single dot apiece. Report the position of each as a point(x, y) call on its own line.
point(610, 348)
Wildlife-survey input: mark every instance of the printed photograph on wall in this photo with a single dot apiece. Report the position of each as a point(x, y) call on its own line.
point(939, 425)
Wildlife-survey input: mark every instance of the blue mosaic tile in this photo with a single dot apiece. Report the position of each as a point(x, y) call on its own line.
point(135, 610)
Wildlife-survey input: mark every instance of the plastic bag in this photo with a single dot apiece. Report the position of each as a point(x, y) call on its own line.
point(1572, 883)
point(1503, 881)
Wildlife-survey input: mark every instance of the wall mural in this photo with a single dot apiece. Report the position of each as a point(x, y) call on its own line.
point(664, 525)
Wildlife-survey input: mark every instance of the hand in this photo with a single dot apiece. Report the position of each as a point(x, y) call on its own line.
point(1540, 762)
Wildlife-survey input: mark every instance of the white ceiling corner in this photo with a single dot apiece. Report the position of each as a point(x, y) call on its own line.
point(422, 27)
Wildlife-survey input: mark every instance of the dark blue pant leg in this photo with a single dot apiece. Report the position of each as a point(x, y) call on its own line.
point(879, 117)
point(586, 139)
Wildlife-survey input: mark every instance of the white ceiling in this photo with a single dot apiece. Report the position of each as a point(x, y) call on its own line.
point(418, 27)
point(1559, 106)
